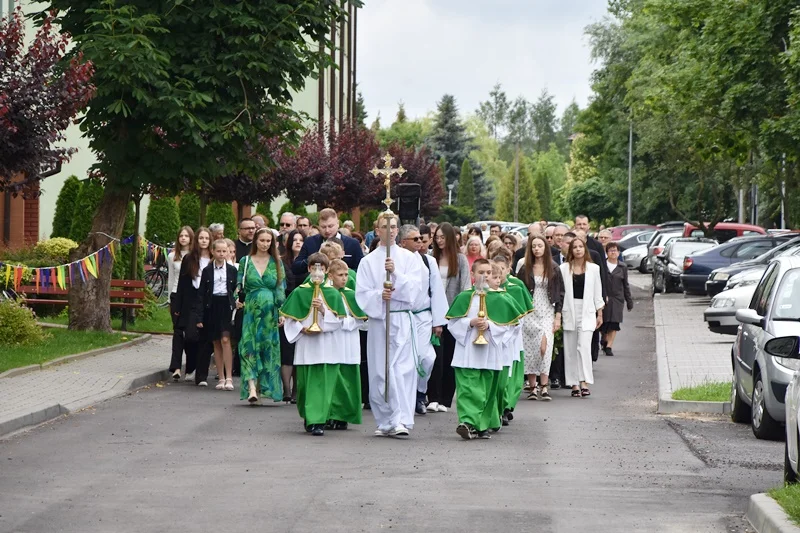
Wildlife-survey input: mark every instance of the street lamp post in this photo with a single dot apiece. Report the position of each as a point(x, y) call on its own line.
point(450, 193)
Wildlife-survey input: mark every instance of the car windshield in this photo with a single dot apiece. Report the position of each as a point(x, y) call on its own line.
point(787, 300)
point(682, 249)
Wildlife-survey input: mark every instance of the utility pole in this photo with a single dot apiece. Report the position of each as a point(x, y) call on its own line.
point(630, 170)
point(516, 186)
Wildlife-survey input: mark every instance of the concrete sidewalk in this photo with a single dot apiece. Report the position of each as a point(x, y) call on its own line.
point(35, 397)
point(687, 353)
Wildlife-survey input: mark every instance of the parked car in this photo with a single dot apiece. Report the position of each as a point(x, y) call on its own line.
point(760, 380)
point(619, 232)
point(668, 266)
point(698, 267)
point(718, 281)
point(635, 239)
point(788, 348)
point(725, 231)
point(633, 257)
point(655, 246)
point(720, 315)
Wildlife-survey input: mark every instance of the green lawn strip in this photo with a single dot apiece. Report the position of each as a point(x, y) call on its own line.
point(718, 391)
point(58, 343)
point(789, 498)
point(159, 323)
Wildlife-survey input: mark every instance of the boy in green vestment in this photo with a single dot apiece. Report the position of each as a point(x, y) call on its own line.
point(478, 367)
point(328, 362)
point(516, 378)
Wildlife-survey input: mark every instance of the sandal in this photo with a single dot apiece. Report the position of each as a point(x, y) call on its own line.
point(585, 392)
point(220, 385)
point(576, 393)
point(228, 384)
point(533, 395)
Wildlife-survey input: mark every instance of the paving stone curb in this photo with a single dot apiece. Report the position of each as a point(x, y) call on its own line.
point(767, 516)
point(76, 357)
point(666, 405)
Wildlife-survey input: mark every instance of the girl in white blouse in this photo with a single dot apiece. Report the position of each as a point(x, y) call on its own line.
point(183, 244)
point(581, 315)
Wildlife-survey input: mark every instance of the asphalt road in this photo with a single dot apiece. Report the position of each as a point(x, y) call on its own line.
point(182, 458)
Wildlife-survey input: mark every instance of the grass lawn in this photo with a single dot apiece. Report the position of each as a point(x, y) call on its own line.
point(58, 343)
point(718, 391)
point(159, 323)
point(789, 498)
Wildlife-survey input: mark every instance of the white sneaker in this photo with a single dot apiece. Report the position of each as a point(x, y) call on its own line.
point(433, 407)
point(399, 431)
point(442, 408)
point(203, 384)
point(189, 377)
point(176, 376)
point(382, 432)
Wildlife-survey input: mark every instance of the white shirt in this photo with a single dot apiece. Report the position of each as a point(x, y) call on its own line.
point(220, 280)
point(204, 261)
point(174, 270)
point(611, 266)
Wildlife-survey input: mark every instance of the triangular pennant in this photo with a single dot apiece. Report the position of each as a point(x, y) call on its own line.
point(8, 274)
point(93, 261)
point(36, 278)
point(87, 264)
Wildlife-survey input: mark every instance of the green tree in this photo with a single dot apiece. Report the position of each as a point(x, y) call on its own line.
point(189, 210)
point(529, 209)
point(409, 133)
point(592, 196)
point(162, 222)
point(65, 207)
point(401, 114)
point(543, 121)
point(222, 213)
point(86, 205)
point(173, 106)
point(360, 115)
point(466, 188)
point(494, 111)
point(486, 152)
point(295, 209)
point(122, 266)
point(541, 184)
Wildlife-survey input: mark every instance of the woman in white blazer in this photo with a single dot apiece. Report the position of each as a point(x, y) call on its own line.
point(581, 315)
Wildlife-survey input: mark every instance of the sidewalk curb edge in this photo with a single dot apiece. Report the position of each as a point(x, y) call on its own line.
point(767, 516)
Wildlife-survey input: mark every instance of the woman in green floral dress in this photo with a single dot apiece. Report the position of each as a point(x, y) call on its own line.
point(263, 281)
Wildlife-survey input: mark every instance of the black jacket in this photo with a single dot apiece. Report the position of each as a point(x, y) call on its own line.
point(186, 298)
point(352, 253)
point(206, 291)
point(598, 255)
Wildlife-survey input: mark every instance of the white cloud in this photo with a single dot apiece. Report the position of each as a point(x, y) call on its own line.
point(418, 50)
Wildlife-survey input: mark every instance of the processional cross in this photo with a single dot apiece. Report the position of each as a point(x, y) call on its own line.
point(388, 216)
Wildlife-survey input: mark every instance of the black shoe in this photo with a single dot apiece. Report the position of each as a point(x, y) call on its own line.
point(504, 420)
point(308, 428)
point(367, 406)
point(318, 430)
point(609, 352)
point(555, 384)
point(338, 425)
point(509, 415)
point(420, 409)
point(329, 424)
point(484, 435)
point(603, 344)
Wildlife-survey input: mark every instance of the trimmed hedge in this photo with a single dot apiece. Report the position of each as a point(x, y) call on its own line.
point(263, 210)
point(85, 207)
point(189, 210)
point(222, 213)
point(162, 223)
point(65, 207)
point(18, 324)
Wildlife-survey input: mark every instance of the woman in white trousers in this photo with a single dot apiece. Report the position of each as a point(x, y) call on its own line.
point(582, 314)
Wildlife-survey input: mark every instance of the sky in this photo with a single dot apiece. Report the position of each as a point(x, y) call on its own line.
point(417, 50)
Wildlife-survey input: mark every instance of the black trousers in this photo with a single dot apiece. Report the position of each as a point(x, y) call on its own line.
point(557, 367)
point(181, 345)
point(364, 367)
point(595, 344)
point(204, 350)
point(236, 335)
point(442, 383)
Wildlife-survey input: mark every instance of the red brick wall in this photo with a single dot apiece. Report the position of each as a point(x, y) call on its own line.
point(31, 221)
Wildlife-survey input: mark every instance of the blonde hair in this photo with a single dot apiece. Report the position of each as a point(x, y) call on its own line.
point(218, 241)
point(327, 214)
point(337, 265)
point(331, 250)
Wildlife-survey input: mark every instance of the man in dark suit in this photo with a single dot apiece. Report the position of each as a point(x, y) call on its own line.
point(329, 228)
point(582, 224)
point(247, 228)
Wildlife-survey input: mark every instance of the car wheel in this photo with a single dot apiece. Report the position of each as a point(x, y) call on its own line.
point(740, 411)
point(789, 475)
point(642, 267)
point(764, 426)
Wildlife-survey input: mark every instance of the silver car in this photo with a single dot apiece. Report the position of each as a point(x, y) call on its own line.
point(759, 379)
point(720, 316)
point(656, 245)
point(632, 257)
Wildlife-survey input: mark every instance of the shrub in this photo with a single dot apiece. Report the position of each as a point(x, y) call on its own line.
point(189, 210)
point(58, 248)
point(85, 208)
point(222, 213)
point(65, 207)
point(263, 209)
point(162, 222)
point(295, 209)
point(18, 324)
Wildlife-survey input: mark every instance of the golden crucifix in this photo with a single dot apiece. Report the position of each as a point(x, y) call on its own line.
point(387, 171)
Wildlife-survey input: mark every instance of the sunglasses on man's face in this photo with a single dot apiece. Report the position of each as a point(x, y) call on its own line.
point(415, 239)
point(286, 224)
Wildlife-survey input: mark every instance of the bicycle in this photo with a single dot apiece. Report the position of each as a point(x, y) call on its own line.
point(157, 279)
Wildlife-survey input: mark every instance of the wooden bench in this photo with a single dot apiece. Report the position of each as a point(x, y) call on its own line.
point(131, 291)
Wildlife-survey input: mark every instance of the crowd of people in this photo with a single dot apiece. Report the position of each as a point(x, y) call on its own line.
point(300, 314)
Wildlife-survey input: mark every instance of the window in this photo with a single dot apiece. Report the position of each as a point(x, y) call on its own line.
point(724, 235)
point(762, 295)
point(728, 251)
point(787, 297)
point(752, 250)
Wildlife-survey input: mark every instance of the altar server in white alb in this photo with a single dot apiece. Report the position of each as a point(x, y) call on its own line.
point(395, 417)
point(428, 310)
